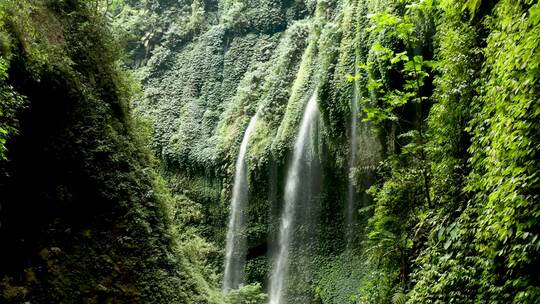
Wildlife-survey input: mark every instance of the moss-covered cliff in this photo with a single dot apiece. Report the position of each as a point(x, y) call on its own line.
point(84, 217)
point(245, 57)
point(441, 211)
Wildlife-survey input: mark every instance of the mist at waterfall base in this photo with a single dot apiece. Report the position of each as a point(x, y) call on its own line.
point(235, 250)
point(297, 233)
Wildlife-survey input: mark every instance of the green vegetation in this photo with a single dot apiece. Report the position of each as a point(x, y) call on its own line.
point(454, 215)
point(121, 121)
point(85, 218)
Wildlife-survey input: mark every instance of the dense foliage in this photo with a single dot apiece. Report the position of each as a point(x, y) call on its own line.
point(84, 216)
point(455, 215)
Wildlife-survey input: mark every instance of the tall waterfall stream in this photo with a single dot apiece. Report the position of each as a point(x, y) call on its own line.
point(351, 208)
point(235, 250)
point(301, 160)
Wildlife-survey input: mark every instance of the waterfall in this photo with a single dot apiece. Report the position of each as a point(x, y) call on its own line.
point(351, 208)
point(235, 250)
point(301, 162)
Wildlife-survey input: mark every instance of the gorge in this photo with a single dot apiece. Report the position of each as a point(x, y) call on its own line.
point(269, 151)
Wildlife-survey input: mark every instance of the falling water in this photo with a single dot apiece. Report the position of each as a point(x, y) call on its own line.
point(291, 195)
point(351, 216)
point(236, 240)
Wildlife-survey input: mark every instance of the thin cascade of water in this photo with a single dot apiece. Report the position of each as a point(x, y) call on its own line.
point(235, 250)
point(291, 195)
point(351, 208)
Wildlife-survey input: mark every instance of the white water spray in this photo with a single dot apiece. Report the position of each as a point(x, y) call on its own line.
point(235, 250)
point(292, 185)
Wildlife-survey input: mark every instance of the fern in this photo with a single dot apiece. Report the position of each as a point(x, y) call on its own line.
point(399, 298)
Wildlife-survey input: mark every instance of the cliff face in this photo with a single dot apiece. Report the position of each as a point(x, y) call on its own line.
point(84, 217)
point(421, 73)
point(208, 67)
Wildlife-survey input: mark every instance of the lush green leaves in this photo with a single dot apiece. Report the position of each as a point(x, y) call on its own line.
point(482, 239)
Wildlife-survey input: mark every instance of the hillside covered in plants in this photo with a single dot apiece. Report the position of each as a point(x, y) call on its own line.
point(265, 151)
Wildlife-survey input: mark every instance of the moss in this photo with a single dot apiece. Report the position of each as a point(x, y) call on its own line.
point(96, 225)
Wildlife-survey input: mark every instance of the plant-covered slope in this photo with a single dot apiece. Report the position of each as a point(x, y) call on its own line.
point(448, 93)
point(456, 215)
point(84, 217)
point(200, 91)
